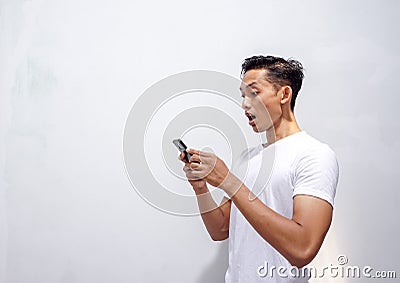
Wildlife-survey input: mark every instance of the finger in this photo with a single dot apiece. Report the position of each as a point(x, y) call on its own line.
point(195, 158)
point(207, 154)
point(194, 166)
point(186, 169)
point(193, 151)
point(193, 175)
point(182, 157)
point(201, 154)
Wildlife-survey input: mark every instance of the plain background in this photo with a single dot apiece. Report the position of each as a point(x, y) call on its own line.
point(71, 70)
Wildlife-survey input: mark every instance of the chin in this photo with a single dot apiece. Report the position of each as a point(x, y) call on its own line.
point(262, 128)
point(258, 129)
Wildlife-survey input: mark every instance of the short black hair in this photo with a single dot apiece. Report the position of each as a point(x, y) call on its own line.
point(280, 72)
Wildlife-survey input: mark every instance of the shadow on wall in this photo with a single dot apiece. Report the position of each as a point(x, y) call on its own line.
point(215, 272)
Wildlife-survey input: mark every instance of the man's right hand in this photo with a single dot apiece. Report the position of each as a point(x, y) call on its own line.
point(199, 185)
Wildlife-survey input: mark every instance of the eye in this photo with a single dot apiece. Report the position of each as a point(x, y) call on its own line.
point(254, 93)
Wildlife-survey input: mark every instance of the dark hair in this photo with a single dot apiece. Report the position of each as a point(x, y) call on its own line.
point(280, 72)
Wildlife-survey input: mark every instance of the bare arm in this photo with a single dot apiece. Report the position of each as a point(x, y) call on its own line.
point(215, 218)
point(297, 239)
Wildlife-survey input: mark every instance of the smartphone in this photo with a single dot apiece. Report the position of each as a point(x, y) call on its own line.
point(182, 148)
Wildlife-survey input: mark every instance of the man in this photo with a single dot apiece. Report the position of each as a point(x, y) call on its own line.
point(285, 224)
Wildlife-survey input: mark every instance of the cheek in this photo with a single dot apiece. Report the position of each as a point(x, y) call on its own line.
point(275, 111)
point(272, 105)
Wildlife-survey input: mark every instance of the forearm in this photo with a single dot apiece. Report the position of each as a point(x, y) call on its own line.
point(285, 235)
point(213, 217)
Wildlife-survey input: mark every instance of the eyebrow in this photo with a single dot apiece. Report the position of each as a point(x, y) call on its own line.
point(248, 86)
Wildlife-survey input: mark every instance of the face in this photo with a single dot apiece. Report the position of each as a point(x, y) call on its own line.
point(261, 101)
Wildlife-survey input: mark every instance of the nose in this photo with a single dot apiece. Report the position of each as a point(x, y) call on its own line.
point(245, 103)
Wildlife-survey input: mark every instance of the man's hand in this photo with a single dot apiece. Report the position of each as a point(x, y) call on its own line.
point(199, 185)
point(208, 167)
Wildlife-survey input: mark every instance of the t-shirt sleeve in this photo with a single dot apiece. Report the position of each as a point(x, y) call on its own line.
point(316, 173)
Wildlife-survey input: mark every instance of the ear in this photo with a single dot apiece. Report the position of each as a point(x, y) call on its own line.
point(286, 95)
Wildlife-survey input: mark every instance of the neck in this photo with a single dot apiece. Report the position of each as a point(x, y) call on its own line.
point(285, 126)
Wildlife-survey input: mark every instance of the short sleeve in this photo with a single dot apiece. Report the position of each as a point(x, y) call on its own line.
point(316, 173)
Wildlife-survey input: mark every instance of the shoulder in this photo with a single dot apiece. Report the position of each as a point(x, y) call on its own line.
point(302, 146)
point(315, 171)
point(314, 151)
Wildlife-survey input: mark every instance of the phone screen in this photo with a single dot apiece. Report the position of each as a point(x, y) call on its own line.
point(182, 148)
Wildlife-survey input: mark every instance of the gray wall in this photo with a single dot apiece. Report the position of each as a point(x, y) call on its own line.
point(71, 70)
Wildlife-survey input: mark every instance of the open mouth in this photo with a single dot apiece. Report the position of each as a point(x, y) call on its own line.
point(251, 118)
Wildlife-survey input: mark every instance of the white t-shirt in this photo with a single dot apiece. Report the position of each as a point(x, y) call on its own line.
point(300, 164)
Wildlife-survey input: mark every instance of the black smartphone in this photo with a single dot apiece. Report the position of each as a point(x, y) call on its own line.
point(182, 148)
